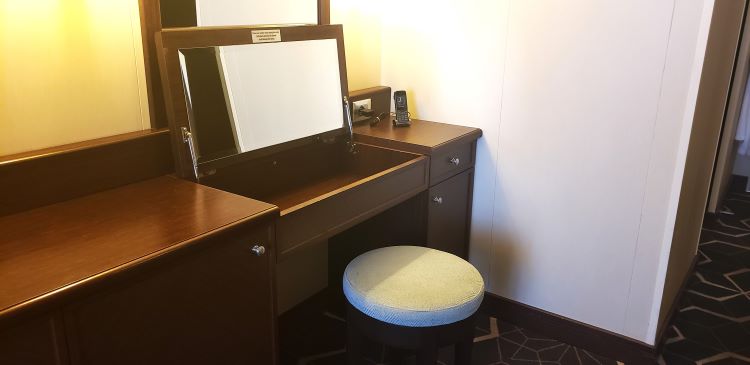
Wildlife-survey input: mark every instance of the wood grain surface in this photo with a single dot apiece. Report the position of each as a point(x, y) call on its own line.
point(37, 178)
point(51, 249)
point(421, 137)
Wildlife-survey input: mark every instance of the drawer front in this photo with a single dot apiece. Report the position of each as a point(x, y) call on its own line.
point(448, 214)
point(340, 211)
point(211, 305)
point(451, 161)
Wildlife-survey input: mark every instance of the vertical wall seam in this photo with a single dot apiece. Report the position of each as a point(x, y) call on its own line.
point(648, 170)
point(497, 152)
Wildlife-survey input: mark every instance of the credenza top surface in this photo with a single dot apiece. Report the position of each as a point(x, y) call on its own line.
point(50, 249)
point(422, 136)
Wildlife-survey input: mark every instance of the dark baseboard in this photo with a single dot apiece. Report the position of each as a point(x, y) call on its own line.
point(576, 333)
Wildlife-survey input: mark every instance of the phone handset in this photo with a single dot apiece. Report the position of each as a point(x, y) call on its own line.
point(402, 109)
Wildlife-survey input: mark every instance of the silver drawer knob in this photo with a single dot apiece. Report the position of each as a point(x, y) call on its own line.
point(438, 200)
point(258, 250)
point(455, 160)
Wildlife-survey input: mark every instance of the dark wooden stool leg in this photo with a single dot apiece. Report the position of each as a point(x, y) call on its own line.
point(463, 351)
point(427, 355)
point(397, 356)
point(353, 344)
point(428, 350)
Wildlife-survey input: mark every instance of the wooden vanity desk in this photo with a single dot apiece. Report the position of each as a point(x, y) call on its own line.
point(164, 269)
point(173, 271)
point(115, 277)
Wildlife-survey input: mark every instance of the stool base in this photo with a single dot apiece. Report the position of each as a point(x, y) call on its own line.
point(424, 340)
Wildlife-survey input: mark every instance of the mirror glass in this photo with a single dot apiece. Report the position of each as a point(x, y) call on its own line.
point(247, 97)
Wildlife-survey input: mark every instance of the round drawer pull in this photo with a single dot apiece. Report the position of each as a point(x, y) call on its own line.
point(438, 200)
point(455, 161)
point(258, 250)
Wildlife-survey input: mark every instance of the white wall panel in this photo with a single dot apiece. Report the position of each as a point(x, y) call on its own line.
point(577, 146)
point(580, 99)
point(584, 106)
point(450, 60)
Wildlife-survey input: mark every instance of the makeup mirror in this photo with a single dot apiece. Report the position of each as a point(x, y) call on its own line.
point(241, 93)
point(247, 97)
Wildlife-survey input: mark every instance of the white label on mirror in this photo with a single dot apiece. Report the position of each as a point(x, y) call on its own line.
point(280, 92)
point(266, 35)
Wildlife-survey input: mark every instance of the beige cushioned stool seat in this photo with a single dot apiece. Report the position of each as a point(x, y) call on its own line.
point(413, 286)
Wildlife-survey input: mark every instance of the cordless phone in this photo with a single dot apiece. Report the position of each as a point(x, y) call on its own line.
point(402, 110)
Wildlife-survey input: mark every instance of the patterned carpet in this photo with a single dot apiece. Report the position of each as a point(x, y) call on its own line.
point(712, 325)
point(314, 333)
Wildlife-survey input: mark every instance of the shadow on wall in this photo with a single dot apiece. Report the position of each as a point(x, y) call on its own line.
point(506, 253)
point(504, 247)
point(412, 105)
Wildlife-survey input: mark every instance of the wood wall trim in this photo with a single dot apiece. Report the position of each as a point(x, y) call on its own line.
point(324, 12)
point(76, 146)
point(42, 177)
point(567, 330)
point(150, 24)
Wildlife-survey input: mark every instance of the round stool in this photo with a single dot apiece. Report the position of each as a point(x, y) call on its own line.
point(413, 298)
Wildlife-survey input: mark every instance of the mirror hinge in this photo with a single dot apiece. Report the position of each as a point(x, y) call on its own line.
point(187, 138)
point(348, 112)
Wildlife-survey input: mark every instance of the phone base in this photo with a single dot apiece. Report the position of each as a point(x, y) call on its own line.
point(401, 124)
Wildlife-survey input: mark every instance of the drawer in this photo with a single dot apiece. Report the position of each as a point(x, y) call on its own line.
point(450, 161)
point(353, 204)
point(448, 214)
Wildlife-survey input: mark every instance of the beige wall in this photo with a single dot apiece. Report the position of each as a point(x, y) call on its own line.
point(71, 70)
point(361, 21)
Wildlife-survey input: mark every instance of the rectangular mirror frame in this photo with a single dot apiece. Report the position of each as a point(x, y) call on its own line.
point(150, 25)
point(168, 44)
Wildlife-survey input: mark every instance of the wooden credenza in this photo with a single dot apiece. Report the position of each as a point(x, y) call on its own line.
point(158, 272)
